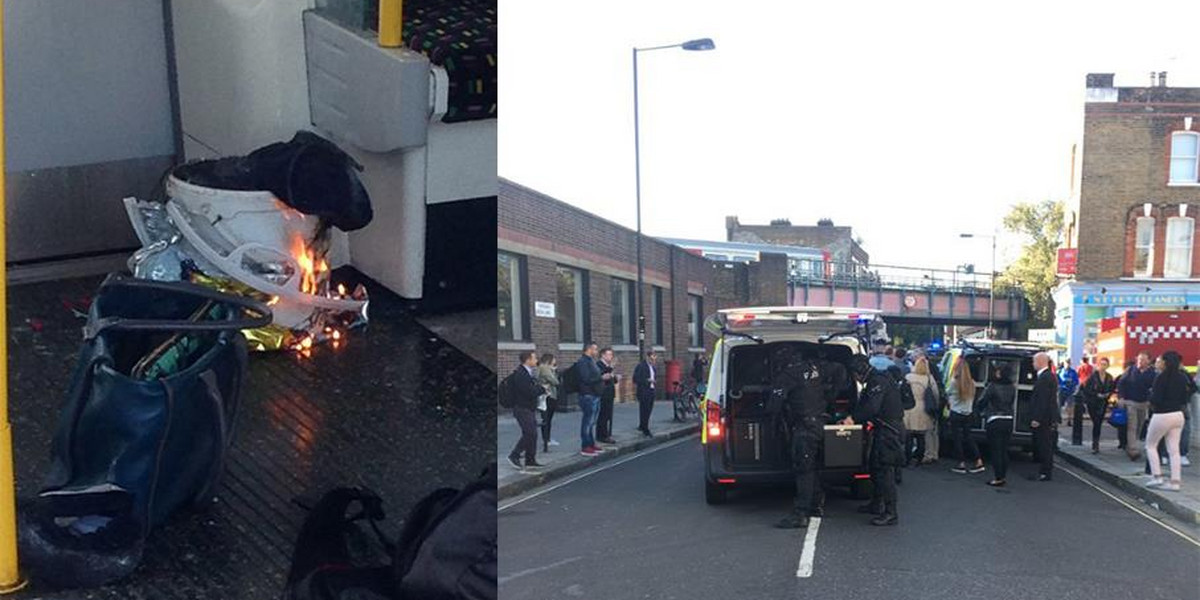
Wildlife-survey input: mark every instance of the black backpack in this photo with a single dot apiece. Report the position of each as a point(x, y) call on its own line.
point(907, 399)
point(569, 383)
point(505, 392)
point(446, 551)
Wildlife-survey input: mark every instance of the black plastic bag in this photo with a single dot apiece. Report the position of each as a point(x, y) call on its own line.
point(447, 550)
point(308, 173)
point(314, 176)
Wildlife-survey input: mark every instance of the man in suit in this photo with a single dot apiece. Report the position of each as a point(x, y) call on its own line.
point(1045, 415)
point(525, 390)
point(643, 378)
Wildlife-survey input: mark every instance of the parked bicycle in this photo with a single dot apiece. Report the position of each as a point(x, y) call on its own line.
point(686, 401)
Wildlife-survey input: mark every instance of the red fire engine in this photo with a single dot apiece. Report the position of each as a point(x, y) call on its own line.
point(1122, 338)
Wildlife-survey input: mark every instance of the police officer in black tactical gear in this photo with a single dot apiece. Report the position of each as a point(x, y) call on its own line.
point(880, 405)
point(805, 387)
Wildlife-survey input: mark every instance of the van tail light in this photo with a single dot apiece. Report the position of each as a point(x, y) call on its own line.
point(862, 475)
point(713, 428)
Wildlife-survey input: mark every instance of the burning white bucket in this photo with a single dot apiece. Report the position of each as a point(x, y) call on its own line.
point(257, 240)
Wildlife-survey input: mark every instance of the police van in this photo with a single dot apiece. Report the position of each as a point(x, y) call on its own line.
point(744, 436)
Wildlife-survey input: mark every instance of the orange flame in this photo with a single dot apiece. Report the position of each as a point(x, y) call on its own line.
point(309, 267)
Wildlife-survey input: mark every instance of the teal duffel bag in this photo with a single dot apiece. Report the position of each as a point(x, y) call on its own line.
point(145, 428)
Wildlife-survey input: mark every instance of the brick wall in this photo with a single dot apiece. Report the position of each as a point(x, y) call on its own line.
point(549, 233)
point(1125, 161)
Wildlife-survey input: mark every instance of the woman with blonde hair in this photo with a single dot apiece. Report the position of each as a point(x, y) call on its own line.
point(960, 392)
point(921, 424)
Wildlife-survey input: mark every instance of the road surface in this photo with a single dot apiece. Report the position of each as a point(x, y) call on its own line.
point(640, 529)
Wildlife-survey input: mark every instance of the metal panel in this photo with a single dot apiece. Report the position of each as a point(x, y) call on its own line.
point(87, 83)
point(376, 98)
point(76, 210)
point(240, 71)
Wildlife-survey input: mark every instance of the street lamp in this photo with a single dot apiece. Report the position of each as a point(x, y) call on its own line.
point(992, 287)
point(695, 45)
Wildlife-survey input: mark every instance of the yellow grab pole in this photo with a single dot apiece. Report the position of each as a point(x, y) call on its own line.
point(10, 576)
point(391, 21)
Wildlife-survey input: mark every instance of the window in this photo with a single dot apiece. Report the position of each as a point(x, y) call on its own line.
point(695, 308)
point(1180, 242)
point(510, 297)
point(571, 312)
point(622, 311)
point(1185, 157)
point(1143, 249)
point(656, 315)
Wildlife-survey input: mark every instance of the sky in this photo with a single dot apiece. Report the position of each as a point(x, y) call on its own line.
point(911, 122)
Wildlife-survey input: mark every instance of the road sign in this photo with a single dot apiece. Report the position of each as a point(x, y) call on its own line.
point(544, 309)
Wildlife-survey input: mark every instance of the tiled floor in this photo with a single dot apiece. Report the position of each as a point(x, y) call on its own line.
point(397, 409)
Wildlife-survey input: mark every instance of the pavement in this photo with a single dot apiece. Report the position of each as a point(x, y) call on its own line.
point(396, 409)
point(1114, 466)
point(564, 459)
point(641, 529)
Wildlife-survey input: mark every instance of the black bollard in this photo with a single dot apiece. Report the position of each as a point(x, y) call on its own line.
point(1077, 423)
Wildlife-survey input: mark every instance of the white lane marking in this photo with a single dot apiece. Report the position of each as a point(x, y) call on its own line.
point(1130, 506)
point(555, 565)
point(810, 548)
point(593, 471)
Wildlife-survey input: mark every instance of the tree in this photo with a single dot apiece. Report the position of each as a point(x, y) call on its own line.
point(1040, 224)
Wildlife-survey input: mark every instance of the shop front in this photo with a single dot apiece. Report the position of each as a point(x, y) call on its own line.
point(1079, 307)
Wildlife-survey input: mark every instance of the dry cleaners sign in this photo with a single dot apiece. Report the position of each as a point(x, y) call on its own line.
point(1137, 299)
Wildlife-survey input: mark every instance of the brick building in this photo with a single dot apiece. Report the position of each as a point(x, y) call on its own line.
point(566, 276)
point(1133, 219)
point(837, 242)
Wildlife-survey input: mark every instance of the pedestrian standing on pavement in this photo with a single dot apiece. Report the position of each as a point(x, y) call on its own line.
point(1122, 427)
point(700, 371)
point(608, 395)
point(524, 391)
point(880, 405)
point(883, 356)
point(1085, 369)
point(1096, 391)
point(901, 363)
point(1134, 393)
point(548, 378)
point(918, 420)
point(1044, 412)
point(1189, 415)
point(995, 406)
point(590, 386)
point(643, 379)
point(961, 394)
point(1168, 396)
point(1068, 384)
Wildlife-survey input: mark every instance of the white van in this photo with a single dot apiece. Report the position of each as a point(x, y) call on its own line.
point(743, 434)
